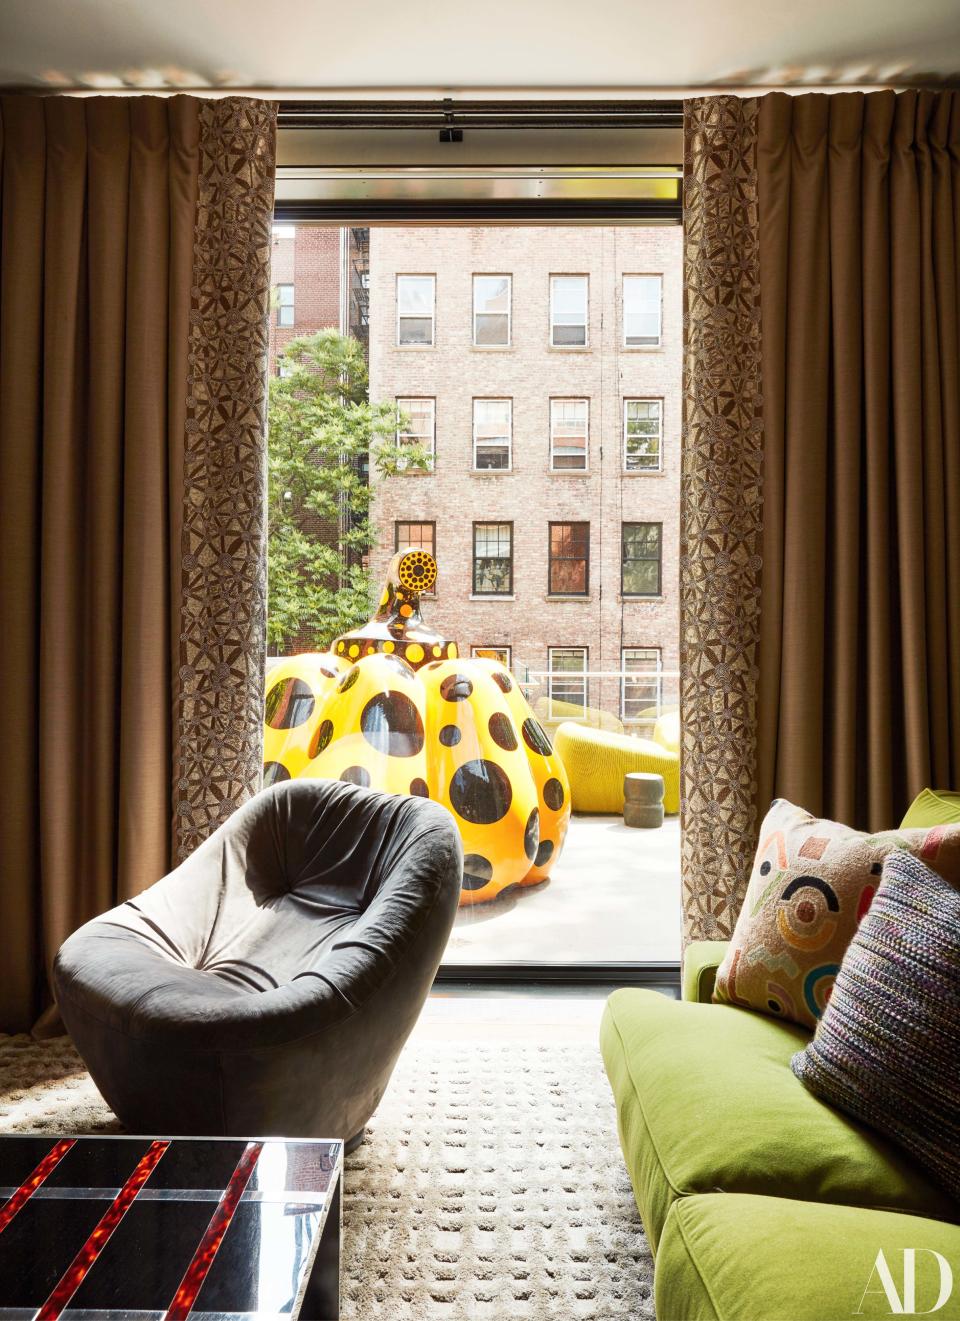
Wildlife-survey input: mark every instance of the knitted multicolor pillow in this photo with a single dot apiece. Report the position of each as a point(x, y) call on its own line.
point(887, 1049)
point(811, 884)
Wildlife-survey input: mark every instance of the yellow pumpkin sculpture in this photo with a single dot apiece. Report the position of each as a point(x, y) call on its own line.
point(393, 706)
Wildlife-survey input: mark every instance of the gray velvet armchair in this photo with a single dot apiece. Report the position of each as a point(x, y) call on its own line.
point(267, 985)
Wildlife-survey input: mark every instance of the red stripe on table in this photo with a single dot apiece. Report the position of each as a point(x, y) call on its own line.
point(30, 1185)
point(196, 1272)
point(72, 1277)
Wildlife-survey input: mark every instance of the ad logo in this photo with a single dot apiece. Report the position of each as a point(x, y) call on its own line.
point(902, 1300)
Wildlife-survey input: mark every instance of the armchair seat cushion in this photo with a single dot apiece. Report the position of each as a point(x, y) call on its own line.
point(706, 1102)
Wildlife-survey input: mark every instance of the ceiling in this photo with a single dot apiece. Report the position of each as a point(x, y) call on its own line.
point(437, 45)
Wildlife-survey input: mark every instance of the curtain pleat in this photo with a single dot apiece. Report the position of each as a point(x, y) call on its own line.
point(101, 234)
point(859, 692)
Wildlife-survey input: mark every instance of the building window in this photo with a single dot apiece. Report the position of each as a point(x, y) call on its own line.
point(567, 682)
point(415, 536)
point(569, 427)
point(417, 423)
point(492, 559)
point(642, 299)
point(491, 310)
point(569, 301)
point(284, 304)
point(642, 435)
point(284, 231)
point(492, 426)
point(641, 684)
point(284, 368)
point(569, 559)
point(502, 654)
point(416, 300)
point(641, 556)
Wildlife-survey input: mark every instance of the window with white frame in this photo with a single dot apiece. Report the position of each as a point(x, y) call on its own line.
point(642, 315)
point(417, 423)
point(491, 310)
point(416, 309)
point(569, 306)
point(567, 682)
point(285, 307)
point(569, 434)
point(492, 428)
point(641, 683)
point(284, 368)
point(502, 654)
point(493, 559)
point(642, 435)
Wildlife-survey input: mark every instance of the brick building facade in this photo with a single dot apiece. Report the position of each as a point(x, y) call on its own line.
point(305, 276)
point(585, 336)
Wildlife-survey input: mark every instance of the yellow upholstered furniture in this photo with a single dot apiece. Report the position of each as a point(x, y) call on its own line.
point(597, 760)
point(666, 731)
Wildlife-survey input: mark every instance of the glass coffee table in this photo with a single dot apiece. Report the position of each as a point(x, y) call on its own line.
point(98, 1228)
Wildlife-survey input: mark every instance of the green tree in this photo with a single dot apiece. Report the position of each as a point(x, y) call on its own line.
point(323, 433)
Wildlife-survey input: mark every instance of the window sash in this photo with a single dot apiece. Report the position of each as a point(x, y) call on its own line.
point(492, 434)
point(502, 654)
point(641, 559)
point(492, 559)
point(569, 310)
point(642, 310)
point(569, 559)
point(569, 434)
point(642, 435)
point(492, 310)
point(285, 304)
point(415, 536)
point(636, 694)
point(422, 413)
point(572, 688)
point(416, 309)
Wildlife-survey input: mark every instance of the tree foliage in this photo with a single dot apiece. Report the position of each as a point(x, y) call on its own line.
point(324, 435)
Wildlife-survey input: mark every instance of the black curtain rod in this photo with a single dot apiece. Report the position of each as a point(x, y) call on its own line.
point(488, 115)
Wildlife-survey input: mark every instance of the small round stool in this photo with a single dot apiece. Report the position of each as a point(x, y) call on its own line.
point(643, 800)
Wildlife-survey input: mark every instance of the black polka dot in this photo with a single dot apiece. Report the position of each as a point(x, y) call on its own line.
point(480, 792)
point(329, 672)
point(553, 794)
point(501, 731)
point(450, 736)
point(274, 772)
point(349, 679)
point(503, 681)
point(391, 723)
point(456, 688)
point(321, 738)
point(356, 775)
point(400, 665)
point(544, 853)
point(289, 703)
point(774, 1007)
point(477, 871)
point(535, 737)
point(764, 868)
point(420, 788)
point(531, 836)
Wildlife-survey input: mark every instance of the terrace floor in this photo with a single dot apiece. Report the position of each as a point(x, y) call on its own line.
point(614, 896)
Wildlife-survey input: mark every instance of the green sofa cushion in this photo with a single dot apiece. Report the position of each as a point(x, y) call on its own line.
point(706, 1102)
point(701, 959)
point(730, 1258)
point(932, 807)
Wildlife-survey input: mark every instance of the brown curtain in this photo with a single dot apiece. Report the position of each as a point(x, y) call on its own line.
point(820, 595)
point(859, 261)
point(134, 259)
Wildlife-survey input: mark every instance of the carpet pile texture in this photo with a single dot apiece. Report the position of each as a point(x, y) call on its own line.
point(490, 1184)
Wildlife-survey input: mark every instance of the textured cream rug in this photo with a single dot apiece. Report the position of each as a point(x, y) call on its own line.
point(490, 1185)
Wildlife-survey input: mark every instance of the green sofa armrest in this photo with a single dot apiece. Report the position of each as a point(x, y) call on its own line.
point(701, 959)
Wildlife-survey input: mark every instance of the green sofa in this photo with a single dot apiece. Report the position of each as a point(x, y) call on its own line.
point(760, 1202)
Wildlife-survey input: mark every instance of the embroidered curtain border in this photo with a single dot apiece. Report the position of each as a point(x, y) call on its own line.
point(219, 682)
point(721, 510)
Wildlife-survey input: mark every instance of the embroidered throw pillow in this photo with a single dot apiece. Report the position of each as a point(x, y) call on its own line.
point(887, 1049)
point(812, 882)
